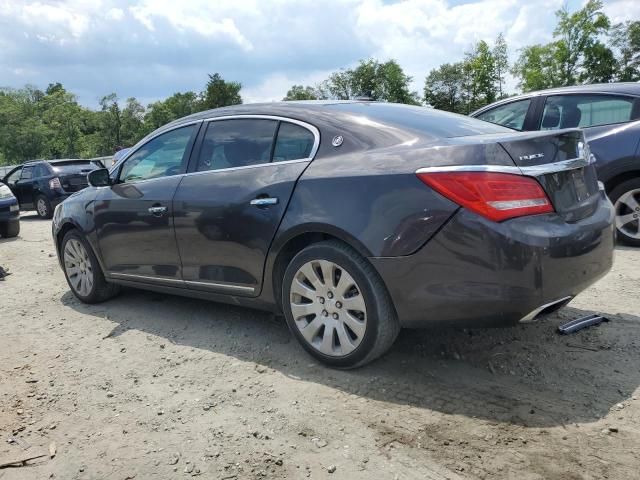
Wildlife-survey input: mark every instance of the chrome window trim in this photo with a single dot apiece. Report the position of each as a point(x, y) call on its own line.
point(313, 129)
point(532, 171)
point(245, 167)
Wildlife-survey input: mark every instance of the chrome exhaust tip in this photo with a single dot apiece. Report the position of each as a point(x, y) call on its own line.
point(544, 309)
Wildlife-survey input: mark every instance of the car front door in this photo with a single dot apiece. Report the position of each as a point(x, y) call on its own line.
point(24, 187)
point(228, 208)
point(12, 180)
point(134, 216)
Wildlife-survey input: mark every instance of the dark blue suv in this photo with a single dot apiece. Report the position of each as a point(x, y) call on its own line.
point(43, 184)
point(610, 116)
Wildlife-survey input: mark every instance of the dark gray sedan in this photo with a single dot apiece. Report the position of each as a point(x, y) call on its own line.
point(352, 218)
point(610, 116)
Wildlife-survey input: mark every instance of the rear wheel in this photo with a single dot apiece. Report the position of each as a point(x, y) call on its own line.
point(83, 272)
point(626, 201)
point(10, 229)
point(43, 207)
point(337, 306)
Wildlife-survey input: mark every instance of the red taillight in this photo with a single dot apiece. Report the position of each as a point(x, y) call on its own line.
point(54, 183)
point(496, 196)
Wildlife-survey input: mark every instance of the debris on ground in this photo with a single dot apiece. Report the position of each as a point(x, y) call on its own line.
point(4, 273)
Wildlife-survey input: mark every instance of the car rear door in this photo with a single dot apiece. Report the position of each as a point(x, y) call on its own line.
point(134, 217)
point(228, 208)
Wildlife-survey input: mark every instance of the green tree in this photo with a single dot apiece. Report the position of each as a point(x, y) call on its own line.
point(481, 67)
point(132, 126)
point(444, 87)
point(110, 124)
point(220, 93)
point(501, 63)
point(299, 92)
point(538, 68)
point(626, 39)
point(599, 64)
point(577, 33)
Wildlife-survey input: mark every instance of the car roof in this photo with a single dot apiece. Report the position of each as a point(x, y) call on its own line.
point(62, 160)
point(622, 88)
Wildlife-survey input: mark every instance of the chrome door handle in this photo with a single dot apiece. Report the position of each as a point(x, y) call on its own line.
point(157, 210)
point(261, 202)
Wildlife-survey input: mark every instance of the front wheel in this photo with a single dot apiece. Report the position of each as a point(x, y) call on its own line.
point(626, 201)
point(337, 306)
point(82, 270)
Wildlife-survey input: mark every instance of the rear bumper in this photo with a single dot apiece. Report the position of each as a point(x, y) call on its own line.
point(479, 273)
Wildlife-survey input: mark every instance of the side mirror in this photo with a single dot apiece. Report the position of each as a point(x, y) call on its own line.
point(99, 178)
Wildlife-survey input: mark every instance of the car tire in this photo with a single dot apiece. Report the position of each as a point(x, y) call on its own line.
point(626, 201)
point(82, 270)
point(356, 335)
point(43, 207)
point(10, 229)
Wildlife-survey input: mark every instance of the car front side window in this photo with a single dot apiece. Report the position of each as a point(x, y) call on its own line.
point(27, 173)
point(236, 143)
point(162, 156)
point(583, 111)
point(14, 177)
point(511, 115)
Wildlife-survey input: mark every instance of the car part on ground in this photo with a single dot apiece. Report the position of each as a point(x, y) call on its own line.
point(580, 323)
point(428, 217)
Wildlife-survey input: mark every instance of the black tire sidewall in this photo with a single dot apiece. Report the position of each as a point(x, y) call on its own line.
point(615, 194)
point(47, 203)
point(368, 290)
point(95, 266)
point(10, 229)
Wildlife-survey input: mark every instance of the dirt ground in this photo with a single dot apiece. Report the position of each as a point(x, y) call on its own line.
point(152, 386)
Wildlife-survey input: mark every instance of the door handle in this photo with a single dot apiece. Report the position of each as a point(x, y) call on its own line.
point(158, 211)
point(262, 202)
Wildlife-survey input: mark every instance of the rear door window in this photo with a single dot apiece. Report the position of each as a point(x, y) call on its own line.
point(511, 115)
point(583, 111)
point(236, 143)
point(293, 143)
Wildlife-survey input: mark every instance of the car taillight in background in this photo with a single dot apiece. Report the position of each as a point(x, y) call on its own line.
point(496, 196)
point(55, 183)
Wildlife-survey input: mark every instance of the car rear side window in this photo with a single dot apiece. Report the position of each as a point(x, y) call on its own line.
point(293, 143)
point(570, 111)
point(236, 143)
point(162, 156)
point(511, 115)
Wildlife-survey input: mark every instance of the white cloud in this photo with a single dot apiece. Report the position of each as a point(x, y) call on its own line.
point(153, 48)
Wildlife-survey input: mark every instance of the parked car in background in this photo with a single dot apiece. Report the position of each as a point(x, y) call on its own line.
point(610, 116)
point(43, 184)
point(9, 213)
point(351, 218)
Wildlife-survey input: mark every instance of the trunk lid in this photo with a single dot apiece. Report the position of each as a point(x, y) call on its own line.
point(562, 163)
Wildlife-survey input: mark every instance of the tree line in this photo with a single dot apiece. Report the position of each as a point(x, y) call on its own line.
point(586, 48)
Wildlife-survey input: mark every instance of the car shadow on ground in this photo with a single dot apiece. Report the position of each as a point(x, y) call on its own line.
point(527, 375)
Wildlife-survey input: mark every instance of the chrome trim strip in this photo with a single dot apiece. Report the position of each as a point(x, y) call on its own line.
point(245, 167)
point(533, 314)
point(532, 171)
point(125, 276)
point(223, 286)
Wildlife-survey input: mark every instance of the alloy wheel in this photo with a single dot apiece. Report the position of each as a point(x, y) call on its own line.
point(328, 307)
point(627, 209)
point(78, 267)
point(41, 206)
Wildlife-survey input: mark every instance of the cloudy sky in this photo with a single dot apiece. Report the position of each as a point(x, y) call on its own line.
point(152, 48)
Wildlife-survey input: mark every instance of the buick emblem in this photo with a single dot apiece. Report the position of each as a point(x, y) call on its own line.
point(337, 141)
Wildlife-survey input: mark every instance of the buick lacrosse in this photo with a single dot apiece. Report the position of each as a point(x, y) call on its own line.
point(353, 219)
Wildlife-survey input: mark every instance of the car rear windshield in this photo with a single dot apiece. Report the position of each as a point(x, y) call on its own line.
point(75, 167)
point(426, 120)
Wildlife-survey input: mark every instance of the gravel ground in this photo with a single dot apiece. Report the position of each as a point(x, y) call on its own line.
point(153, 386)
